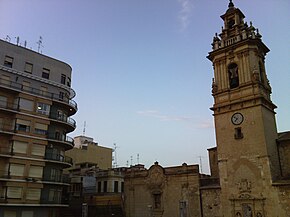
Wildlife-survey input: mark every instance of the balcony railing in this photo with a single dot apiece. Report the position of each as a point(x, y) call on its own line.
point(39, 92)
point(63, 118)
point(61, 179)
point(58, 157)
point(61, 138)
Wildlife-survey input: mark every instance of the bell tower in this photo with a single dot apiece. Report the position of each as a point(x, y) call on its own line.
point(244, 118)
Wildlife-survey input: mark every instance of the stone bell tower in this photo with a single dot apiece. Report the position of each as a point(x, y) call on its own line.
point(244, 117)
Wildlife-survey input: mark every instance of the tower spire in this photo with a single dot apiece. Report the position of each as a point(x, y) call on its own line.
point(231, 4)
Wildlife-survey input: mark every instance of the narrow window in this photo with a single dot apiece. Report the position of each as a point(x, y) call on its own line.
point(99, 187)
point(68, 81)
point(26, 86)
point(40, 129)
point(233, 75)
point(261, 73)
point(122, 187)
point(45, 73)
point(22, 125)
point(63, 78)
point(157, 201)
point(61, 96)
point(116, 186)
point(238, 133)
point(43, 108)
point(28, 67)
point(105, 186)
point(8, 62)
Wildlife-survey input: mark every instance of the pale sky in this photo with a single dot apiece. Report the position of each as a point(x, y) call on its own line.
point(140, 69)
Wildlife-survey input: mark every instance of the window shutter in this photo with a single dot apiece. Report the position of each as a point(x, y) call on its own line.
point(38, 150)
point(17, 169)
point(33, 194)
point(27, 214)
point(40, 126)
point(9, 213)
point(20, 147)
point(26, 104)
point(14, 192)
point(23, 122)
point(35, 171)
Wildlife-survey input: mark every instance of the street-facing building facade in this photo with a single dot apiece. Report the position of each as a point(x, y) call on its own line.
point(35, 108)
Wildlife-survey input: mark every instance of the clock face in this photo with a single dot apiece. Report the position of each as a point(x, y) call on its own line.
point(237, 118)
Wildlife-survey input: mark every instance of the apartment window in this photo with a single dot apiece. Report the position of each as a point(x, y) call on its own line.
point(38, 150)
point(28, 67)
point(26, 86)
point(22, 125)
point(17, 169)
point(43, 91)
point(55, 175)
point(5, 80)
point(27, 214)
point(35, 171)
point(61, 115)
point(3, 101)
point(105, 186)
point(40, 128)
point(63, 78)
point(26, 104)
point(116, 186)
point(45, 73)
point(33, 194)
point(14, 192)
point(61, 95)
point(20, 147)
point(8, 213)
point(8, 62)
point(43, 108)
point(54, 195)
point(68, 81)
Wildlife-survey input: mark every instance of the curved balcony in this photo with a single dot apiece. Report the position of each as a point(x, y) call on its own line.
point(59, 158)
point(57, 179)
point(60, 138)
point(67, 120)
point(52, 96)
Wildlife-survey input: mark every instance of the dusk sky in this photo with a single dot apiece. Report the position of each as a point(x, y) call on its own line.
point(140, 69)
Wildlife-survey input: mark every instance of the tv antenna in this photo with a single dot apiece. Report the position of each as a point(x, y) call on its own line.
point(8, 38)
point(84, 130)
point(17, 40)
point(39, 44)
point(138, 158)
point(115, 155)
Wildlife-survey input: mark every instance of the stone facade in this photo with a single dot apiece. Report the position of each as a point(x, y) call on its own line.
point(252, 158)
point(166, 192)
point(250, 167)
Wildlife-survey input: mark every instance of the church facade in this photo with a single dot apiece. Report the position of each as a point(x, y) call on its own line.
point(250, 166)
point(252, 157)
